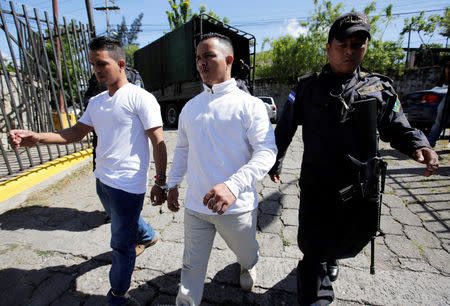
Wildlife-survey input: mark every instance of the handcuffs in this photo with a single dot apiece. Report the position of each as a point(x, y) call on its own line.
point(164, 187)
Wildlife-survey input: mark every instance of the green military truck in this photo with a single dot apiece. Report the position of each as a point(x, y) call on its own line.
point(168, 66)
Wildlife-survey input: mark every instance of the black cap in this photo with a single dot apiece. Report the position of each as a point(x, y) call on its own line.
point(348, 24)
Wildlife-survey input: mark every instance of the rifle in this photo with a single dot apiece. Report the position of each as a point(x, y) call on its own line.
point(368, 186)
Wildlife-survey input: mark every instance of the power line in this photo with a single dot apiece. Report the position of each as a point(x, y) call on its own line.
point(266, 21)
point(107, 8)
point(418, 12)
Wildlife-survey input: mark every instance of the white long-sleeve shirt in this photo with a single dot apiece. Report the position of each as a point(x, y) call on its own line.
point(224, 136)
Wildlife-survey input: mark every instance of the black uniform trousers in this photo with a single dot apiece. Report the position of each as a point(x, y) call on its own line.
point(328, 230)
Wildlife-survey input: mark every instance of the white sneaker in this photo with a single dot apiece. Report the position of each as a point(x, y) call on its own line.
point(247, 279)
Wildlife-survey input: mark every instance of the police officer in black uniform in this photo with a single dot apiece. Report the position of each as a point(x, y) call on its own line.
point(324, 104)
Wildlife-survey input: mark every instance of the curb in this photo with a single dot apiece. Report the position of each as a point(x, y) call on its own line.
point(40, 173)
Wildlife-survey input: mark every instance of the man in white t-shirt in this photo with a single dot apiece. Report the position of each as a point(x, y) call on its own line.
point(124, 118)
point(225, 145)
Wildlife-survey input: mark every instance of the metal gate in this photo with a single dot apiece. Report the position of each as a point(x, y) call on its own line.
point(44, 71)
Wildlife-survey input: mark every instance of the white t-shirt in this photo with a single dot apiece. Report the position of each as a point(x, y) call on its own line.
point(120, 121)
point(224, 136)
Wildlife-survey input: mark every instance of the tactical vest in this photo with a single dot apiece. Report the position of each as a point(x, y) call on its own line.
point(332, 129)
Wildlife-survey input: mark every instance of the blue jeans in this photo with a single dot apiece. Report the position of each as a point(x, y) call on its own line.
point(438, 125)
point(127, 229)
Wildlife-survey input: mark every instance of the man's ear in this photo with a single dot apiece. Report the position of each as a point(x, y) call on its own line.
point(328, 46)
point(229, 59)
point(122, 63)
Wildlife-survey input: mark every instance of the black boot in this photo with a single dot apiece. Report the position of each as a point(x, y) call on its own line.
point(333, 269)
point(313, 285)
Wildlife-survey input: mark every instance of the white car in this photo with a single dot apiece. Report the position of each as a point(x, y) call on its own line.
point(271, 108)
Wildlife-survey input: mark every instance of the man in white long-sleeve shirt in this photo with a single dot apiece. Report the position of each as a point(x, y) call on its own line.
point(225, 145)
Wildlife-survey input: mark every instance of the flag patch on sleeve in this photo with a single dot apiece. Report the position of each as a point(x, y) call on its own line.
point(397, 105)
point(291, 97)
point(138, 83)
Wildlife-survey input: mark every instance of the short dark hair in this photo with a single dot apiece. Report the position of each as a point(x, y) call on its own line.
point(225, 40)
point(112, 45)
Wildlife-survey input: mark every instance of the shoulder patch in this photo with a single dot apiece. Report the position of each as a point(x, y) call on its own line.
point(138, 83)
point(397, 105)
point(369, 89)
point(291, 96)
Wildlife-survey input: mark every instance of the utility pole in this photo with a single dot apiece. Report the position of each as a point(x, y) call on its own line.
point(107, 8)
point(90, 19)
point(62, 108)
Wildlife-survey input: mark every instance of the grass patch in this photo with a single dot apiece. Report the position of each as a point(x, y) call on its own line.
point(9, 247)
point(431, 179)
point(419, 247)
point(286, 242)
point(44, 253)
point(41, 197)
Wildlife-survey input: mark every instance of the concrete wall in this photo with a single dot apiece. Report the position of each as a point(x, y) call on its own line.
point(412, 80)
point(418, 79)
point(279, 92)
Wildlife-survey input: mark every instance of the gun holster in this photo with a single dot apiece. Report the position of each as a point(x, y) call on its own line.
point(368, 185)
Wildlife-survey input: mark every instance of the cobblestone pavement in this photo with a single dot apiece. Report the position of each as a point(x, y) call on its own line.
point(54, 246)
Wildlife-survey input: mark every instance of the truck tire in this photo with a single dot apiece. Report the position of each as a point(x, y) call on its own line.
point(171, 115)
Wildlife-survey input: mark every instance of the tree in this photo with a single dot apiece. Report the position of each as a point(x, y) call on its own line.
point(129, 54)
point(444, 24)
point(70, 71)
point(292, 57)
point(323, 16)
point(384, 57)
point(202, 10)
point(129, 37)
point(8, 65)
point(180, 14)
point(136, 25)
point(423, 26)
point(426, 27)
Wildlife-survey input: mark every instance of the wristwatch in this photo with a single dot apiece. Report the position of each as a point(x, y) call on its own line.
point(160, 177)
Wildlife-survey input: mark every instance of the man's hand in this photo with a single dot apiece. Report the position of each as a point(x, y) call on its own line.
point(219, 198)
point(157, 195)
point(172, 200)
point(22, 138)
point(275, 178)
point(428, 157)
